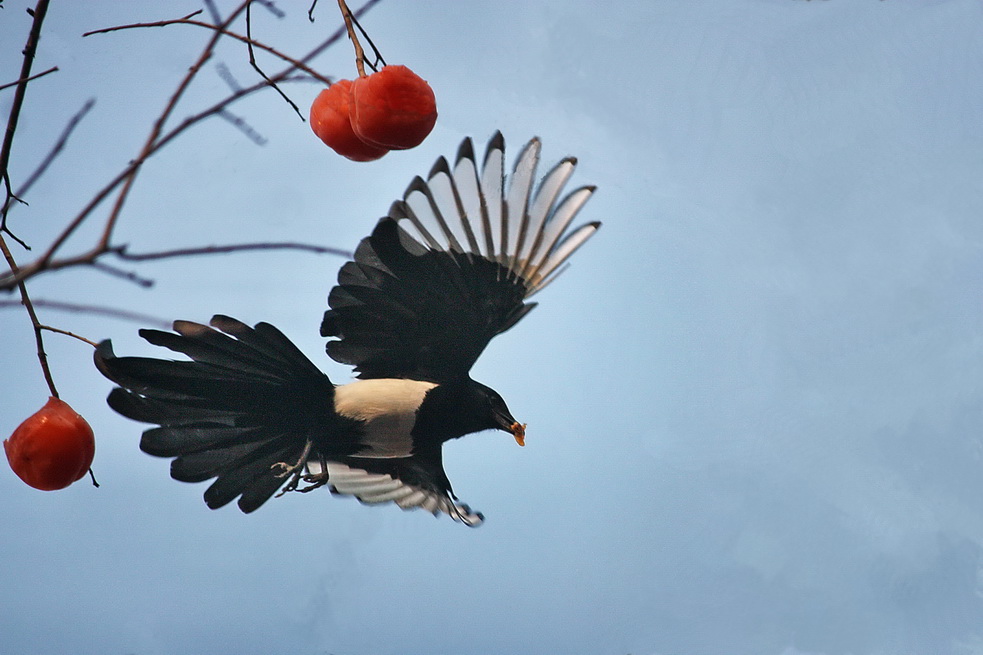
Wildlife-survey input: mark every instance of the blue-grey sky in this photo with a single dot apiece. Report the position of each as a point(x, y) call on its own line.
point(755, 400)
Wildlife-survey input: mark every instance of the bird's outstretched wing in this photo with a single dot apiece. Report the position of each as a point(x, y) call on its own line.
point(453, 264)
point(409, 482)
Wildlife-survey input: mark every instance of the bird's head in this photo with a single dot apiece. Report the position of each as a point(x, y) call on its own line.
point(496, 413)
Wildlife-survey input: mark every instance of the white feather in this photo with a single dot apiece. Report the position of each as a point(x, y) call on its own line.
point(377, 488)
point(384, 496)
point(414, 499)
point(368, 488)
point(471, 211)
point(492, 203)
point(547, 193)
point(561, 253)
point(520, 187)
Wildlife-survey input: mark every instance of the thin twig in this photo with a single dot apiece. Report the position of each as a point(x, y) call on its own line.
point(213, 10)
point(222, 250)
point(68, 334)
point(25, 80)
point(299, 65)
point(11, 199)
point(374, 65)
point(129, 276)
point(227, 76)
point(26, 301)
point(30, 49)
point(240, 124)
point(272, 8)
point(33, 37)
point(55, 150)
point(252, 61)
point(95, 310)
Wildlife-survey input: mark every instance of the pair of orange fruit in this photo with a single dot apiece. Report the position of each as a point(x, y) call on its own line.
point(393, 109)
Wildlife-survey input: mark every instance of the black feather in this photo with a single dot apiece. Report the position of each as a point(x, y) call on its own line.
point(428, 317)
point(247, 399)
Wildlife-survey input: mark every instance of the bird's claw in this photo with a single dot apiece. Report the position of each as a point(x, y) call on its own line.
point(296, 474)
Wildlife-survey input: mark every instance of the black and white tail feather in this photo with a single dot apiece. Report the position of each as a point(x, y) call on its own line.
point(449, 268)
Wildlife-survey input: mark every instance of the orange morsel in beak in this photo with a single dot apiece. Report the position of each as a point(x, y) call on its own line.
point(519, 432)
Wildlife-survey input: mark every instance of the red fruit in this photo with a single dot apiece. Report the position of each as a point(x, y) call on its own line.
point(51, 449)
point(331, 123)
point(394, 108)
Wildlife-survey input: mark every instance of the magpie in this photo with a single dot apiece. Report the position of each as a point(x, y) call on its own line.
point(450, 267)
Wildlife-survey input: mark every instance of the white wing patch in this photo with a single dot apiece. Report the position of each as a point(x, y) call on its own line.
point(388, 409)
point(524, 227)
point(376, 488)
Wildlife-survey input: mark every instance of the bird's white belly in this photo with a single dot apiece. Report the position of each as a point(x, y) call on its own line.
point(387, 407)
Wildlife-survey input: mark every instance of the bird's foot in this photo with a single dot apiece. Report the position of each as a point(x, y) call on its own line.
point(294, 471)
point(315, 481)
point(296, 474)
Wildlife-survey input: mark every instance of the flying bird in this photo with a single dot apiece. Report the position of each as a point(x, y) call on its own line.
point(450, 267)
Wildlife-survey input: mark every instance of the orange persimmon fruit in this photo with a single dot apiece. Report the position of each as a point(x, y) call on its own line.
point(394, 108)
point(52, 448)
point(331, 122)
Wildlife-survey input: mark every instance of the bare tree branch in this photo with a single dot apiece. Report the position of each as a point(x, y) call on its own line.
point(213, 10)
point(377, 60)
point(252, 61)
point(30, 49)
point(8, 139)
point(129, 276)
point(240, 124)
point(299, 65)
point(26, 301)
point(69, 334)
point(47, 261)
point(25, 80)
point(271, 7)
point(55, 151)
point(96, 310)
point(222, 250)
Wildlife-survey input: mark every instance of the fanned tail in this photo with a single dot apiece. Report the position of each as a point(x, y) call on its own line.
point(247, 401)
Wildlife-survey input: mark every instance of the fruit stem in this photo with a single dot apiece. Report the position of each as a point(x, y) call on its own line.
point(346, 13)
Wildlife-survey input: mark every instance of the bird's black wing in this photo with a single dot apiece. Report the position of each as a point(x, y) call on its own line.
point(453, 264)
point(411, 482)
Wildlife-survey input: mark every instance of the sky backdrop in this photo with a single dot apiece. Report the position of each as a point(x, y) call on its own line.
point(755, 400)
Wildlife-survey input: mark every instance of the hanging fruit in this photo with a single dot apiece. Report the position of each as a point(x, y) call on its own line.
point(52, 448)
point(394, 108)
point(331, 122)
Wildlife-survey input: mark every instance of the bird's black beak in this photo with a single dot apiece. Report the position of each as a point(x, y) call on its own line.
point(507, 422)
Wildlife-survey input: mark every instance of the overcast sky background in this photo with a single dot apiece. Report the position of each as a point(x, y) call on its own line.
point(754, 401)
